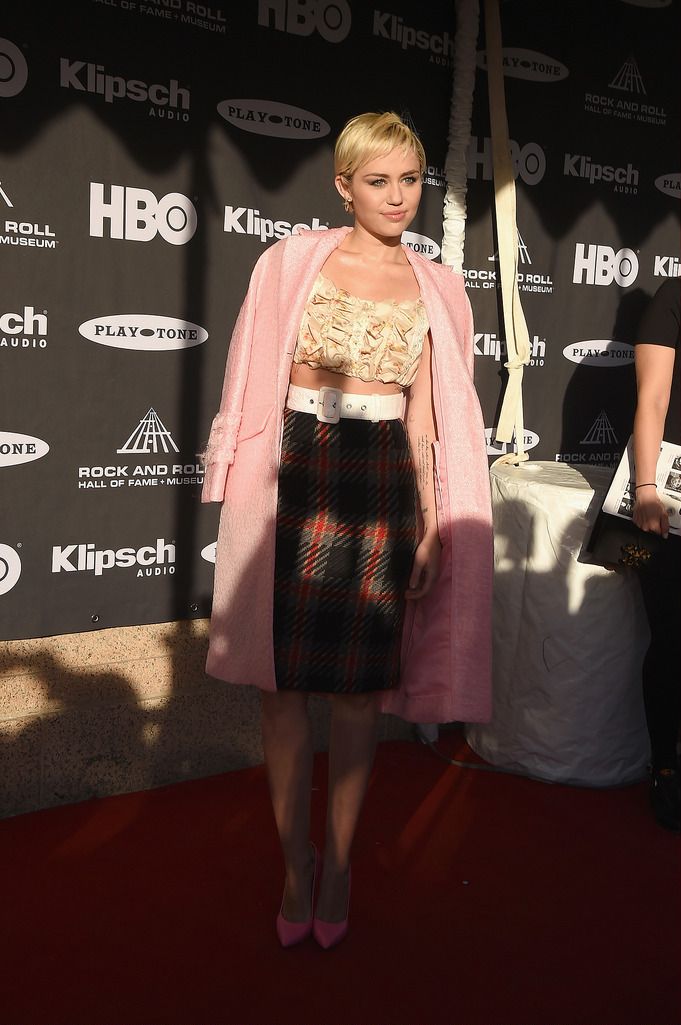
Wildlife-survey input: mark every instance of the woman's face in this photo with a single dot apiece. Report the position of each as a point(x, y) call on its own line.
point(385, 192)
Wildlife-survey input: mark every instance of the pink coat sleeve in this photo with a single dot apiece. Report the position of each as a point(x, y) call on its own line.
point(219, 452)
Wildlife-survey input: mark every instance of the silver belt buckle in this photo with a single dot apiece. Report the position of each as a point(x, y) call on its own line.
point(329, 405)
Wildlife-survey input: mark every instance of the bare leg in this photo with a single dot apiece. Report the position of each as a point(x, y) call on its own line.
point(287, 743)
point(354, 728)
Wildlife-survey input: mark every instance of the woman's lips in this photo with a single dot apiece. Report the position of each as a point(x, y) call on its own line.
point(396, 216)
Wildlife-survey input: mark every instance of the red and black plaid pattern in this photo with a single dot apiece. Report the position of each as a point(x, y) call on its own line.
point(346, 536)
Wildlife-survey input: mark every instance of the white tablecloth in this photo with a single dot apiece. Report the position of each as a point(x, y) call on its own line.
point(569, 636)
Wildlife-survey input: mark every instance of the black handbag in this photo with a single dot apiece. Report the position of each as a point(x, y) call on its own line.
point(618, 542)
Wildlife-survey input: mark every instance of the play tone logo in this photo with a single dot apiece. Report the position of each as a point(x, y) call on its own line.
point(278, 120)
point(331, 19)
point(527, 64)
point(502, 448)
point(600, 352)
point(209, 553)
point(20, 448)
point(601, 265)
point(421, 244)
point(143, 332)
point(136, 215)
point(13, 69)
point(10, 568)
point(670, 184)
point(25, 330)
point(151, 560)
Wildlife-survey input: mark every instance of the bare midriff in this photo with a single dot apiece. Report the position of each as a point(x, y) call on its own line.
point(307, 377)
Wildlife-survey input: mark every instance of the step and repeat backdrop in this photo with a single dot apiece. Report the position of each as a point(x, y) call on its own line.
point(151, 150)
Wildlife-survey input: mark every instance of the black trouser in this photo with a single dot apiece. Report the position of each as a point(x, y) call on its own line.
point(661, 586)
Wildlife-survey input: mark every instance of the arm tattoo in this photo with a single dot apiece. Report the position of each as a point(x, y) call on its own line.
point(423, 472)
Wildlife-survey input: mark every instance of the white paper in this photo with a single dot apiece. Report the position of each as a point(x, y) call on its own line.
point(619, 500)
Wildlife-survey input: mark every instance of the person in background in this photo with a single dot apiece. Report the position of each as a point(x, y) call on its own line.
point(657, 418)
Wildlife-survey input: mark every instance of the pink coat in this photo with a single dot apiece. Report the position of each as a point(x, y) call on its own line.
point(446, 641)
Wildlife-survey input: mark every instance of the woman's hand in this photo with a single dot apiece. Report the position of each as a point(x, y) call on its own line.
point(426, 565)
point(649, 514)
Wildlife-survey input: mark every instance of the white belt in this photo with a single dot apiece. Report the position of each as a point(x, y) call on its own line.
point(333, 404)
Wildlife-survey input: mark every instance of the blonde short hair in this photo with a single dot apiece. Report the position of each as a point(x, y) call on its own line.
point(370, 135)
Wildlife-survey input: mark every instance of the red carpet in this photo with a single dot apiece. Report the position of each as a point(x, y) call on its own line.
point(478, 899)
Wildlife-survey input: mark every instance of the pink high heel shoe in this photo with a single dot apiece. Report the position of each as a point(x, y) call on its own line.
point(328, 934)
point(290, 933)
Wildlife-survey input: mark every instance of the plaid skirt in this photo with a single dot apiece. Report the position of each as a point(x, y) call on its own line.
point(346, 535)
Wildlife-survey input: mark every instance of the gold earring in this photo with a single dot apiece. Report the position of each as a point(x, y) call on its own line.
point(347, 203)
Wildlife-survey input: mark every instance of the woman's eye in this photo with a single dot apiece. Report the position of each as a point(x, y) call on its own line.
point(378, 181)
point(410, 179)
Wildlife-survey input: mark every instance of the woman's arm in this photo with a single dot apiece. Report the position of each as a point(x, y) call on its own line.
point(654, 368)
point(421, 431)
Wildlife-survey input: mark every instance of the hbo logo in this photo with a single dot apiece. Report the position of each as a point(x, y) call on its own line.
point(331, 18)
point(136, 215)
point(601, 265)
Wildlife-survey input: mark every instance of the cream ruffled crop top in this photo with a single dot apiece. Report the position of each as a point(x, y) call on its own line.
point(374, 341)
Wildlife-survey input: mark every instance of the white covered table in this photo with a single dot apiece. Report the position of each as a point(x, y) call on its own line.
point(569, 636)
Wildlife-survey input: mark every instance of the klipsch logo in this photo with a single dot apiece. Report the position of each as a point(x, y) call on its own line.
point(527, 64)
point(244, 220)
point(529, 161)
point(143, 332)
point(20, 448)
point(501, 448)
point(165, 101)
point(601, 265)
point(151, 560)
point(421, 244)
point(13, 69)
point(489, 344)
point(25, 330)
point(331, 19)
point(600, 352)
point(667, 267)
point(10, 568)
point(622, 179)
point(149, 438)
point(440, 48)
point(670, 184)
point(138, 216)
point(279, 120)
point(627, 98)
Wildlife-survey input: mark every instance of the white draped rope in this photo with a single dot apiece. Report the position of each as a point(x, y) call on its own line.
point(454, 222)
point(515, 327)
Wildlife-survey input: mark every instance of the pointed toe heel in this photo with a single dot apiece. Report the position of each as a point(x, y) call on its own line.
point(328, 934)
point(291, 933)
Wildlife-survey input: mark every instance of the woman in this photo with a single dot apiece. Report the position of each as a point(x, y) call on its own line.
point(341, 526)
point(657, 418)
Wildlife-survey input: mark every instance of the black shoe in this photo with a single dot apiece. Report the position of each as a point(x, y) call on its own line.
point(665, 798)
